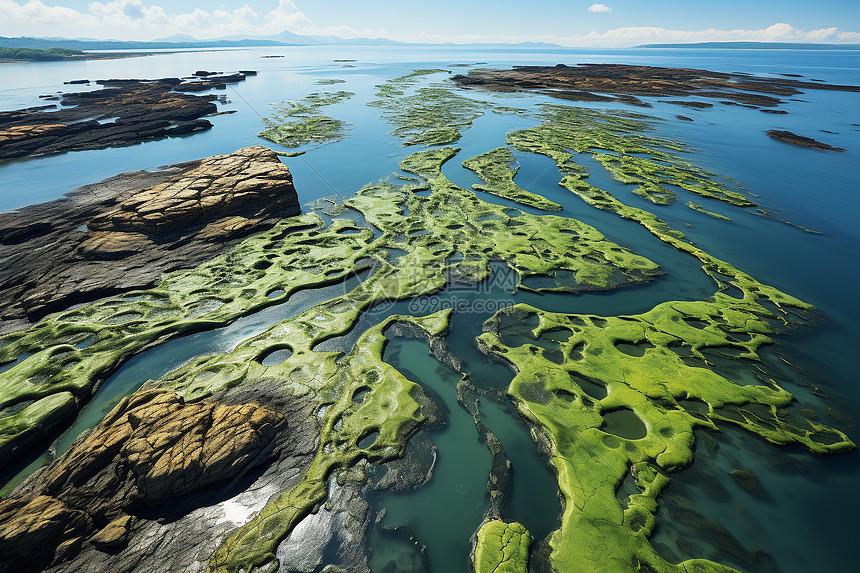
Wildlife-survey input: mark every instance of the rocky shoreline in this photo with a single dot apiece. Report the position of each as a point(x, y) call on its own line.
point(123, 112)
point(125, 232)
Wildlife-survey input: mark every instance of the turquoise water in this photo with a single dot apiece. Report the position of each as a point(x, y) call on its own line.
point(806, 522)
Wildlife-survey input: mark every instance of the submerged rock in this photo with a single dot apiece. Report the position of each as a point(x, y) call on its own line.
point(124, 232)
point(750, 483)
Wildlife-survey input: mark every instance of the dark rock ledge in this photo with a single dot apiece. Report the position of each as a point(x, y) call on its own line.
point(802, 141)
point(123, 112)
point(625, 83)
point(124, 232)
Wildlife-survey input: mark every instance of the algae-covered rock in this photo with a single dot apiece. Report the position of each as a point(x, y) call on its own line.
point(432, 115)
point(670, 397)
point(34, 422)
point(295, 123)
point(502, 548)
point(618, 140)
point(494, 168)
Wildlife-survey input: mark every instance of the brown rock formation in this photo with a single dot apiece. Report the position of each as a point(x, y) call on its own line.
point(124, 232)
point(123, 112)
point(623, 81)
point(151, 449)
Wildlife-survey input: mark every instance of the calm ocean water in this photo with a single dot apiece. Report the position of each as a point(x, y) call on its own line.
point(808, 521)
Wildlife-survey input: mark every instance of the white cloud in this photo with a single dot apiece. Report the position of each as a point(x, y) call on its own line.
point(139, 20)
point(779, 32)
point(134, 19)
point(633, 36)
point(599, 8)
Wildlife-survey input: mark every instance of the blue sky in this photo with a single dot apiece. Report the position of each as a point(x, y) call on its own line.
point(567, 22)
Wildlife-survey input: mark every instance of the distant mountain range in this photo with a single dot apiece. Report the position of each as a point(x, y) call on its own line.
point(184, 41)
point(757, 46)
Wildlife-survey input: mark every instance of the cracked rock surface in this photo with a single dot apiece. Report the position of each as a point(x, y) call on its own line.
point(151, 450)
point(124, 232)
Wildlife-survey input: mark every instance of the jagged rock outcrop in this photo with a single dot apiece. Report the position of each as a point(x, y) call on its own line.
point(124, 232)
point(123, 112)
point(151, 449)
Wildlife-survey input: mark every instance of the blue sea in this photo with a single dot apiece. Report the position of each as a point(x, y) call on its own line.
point(807, 520)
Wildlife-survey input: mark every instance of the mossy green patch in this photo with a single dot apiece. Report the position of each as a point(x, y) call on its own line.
point(502, 548)
point(432, 116)
point(386, 410)
point(34, 420)
point(494, 167)
point(617, 141)
point(655, 366)
point(297, 122)
point(700, 209)
point(457, 222)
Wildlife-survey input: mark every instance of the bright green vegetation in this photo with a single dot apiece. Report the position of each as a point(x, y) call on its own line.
point(700, 209)
point(616, 140)
point(494, 167)
point(385, 411)
point(618, 398)
point(502, 548)
point(432, 116)
point(33, 54)
point(621, 396)
point(298, 122)
point(312, 129)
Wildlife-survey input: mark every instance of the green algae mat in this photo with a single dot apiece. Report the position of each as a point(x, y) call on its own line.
point(298, 122)
point(607, 398)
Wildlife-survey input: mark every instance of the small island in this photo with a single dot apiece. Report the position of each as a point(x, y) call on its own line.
point(794, 139)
